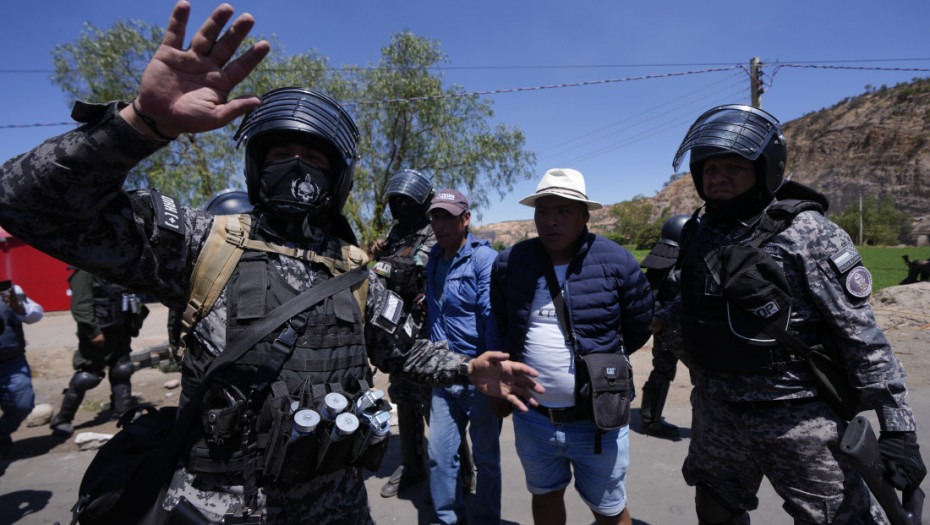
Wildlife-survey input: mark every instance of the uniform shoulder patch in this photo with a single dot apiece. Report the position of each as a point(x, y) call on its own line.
point(167, 213)
point(859, 282)
point(843, 260)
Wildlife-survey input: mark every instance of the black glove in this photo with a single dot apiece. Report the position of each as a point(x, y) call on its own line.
point(904, 467)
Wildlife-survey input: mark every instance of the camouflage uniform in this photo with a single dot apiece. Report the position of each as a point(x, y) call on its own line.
point(746, 426)
point(65, 197)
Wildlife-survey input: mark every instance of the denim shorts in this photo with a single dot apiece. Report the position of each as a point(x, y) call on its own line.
point(550, 452)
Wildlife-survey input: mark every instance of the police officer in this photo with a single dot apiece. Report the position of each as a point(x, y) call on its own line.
point(662, 274)
point(107, 319)
point(17, 397)
point(760, 268)
point(401, 265)
point(300, 154)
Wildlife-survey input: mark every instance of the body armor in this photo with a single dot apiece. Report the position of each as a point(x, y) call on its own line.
point(710, 338)
point(247, 413)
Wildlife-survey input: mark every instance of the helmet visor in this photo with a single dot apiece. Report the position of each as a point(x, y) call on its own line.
point(744, 130)
point(411, 184)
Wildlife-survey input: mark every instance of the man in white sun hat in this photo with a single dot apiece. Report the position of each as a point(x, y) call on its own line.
point(577, 337)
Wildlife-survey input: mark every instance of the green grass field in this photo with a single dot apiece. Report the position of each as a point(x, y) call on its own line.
point(884, 263)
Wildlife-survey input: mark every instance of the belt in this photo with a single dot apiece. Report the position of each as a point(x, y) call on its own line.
point(558, 416)
point(769, 404)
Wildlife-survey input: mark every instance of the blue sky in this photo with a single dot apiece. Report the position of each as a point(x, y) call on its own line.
point(621, 129)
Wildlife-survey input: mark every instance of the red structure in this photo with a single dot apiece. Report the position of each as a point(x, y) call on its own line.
point(44, 278)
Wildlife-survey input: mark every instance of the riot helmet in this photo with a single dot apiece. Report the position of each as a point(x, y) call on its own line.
point(306, 117)
point(736, 129)
point(229, 202)
point(410, 183)
point(408, 193)
point(672, 228)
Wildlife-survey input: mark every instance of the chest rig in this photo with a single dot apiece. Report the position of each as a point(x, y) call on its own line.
point(708, 334)
point(247, 413)
point(400, 273)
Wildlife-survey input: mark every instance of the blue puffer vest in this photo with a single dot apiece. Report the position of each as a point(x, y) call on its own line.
point(605, 291)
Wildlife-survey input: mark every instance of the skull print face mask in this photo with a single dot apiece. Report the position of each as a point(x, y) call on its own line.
point(294, 189)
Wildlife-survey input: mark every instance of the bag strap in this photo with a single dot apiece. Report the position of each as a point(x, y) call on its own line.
point(555, 291)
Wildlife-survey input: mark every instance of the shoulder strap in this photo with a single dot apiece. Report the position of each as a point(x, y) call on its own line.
point(215, 264)
point(778, 217)
point(228, 239)
point(555, 291)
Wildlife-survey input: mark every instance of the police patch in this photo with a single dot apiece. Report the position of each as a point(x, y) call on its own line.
point(859, 282)
point(167, 213)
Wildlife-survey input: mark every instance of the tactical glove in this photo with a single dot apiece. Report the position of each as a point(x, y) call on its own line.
point(904, 467)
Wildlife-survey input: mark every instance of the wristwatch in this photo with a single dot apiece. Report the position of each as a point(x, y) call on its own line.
point(463, 370)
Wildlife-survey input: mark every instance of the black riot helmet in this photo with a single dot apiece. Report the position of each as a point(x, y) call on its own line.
point(410, 183)
point(229, 202)
point(306, 116)
point(672, 228)
point(736, 129)
point(409, 194)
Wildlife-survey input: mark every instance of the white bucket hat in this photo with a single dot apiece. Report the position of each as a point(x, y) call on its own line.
point(562, 182)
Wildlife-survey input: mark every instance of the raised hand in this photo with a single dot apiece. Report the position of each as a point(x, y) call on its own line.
point(186, 90)
point(494, 375)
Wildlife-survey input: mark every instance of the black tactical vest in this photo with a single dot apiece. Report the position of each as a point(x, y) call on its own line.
point(705, 325)
point(108, 304)
point(248, 400)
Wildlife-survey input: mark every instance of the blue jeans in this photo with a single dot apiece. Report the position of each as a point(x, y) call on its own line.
point(454, 407)
point(17, 399)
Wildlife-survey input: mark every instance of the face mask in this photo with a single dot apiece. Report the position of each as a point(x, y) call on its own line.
point(407, 212)
point(294, 189)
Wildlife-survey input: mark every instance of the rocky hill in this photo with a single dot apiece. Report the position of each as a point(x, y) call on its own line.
point(876, 144)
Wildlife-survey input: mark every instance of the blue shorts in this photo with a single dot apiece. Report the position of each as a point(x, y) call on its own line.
point(550, 452)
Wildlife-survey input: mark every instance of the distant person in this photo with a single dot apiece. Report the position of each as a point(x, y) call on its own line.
point(17, 398)
point(458, 278)
point(765, 276)
point(108, 316)
point(663, 275)
point(605, 310)
point(400, 262)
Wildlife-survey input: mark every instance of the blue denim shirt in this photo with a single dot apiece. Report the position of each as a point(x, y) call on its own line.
point(462, 314)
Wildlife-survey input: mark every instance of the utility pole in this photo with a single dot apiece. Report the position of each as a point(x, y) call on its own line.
point(755, 81)
point(860, 219)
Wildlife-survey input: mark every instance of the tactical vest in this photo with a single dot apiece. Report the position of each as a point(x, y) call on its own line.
point(12, 338)
point(399, 272)
point(706, 331)
point(109, 310)
point(246, 416)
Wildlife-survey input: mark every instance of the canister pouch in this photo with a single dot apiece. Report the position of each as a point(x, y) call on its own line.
point(372, 436)
point(332, 454)
point(604, 387)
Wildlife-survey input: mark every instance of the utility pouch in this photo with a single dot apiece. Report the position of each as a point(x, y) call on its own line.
point(290, 457)
point(602, 385)
point(334, 450)
point(833, 383)
point(220, 414)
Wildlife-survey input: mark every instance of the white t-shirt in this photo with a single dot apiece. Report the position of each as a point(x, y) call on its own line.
point(545, 348)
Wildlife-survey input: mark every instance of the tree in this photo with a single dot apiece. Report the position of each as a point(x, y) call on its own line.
point(634, 228)
point(406, 118)
point(882, 222)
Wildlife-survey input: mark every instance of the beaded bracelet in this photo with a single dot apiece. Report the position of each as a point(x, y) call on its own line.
point(149, 121)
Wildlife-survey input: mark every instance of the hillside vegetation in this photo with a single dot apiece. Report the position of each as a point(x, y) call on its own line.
point(877, 144)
